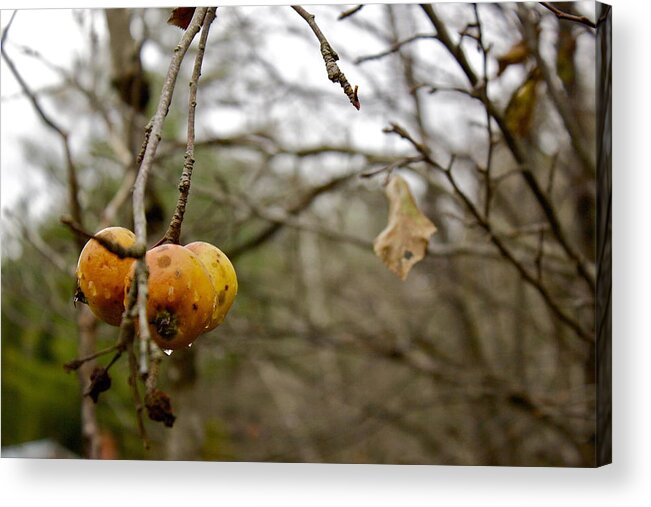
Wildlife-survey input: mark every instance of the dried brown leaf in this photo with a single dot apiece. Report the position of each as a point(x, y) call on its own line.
point(100, 381)
point(159, 407)
point(181, 17)
point(404, 240)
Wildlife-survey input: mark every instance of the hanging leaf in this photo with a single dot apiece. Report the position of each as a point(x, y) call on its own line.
point(521, 106)
point(404, 240)
point(181, 17)
point(518, 53)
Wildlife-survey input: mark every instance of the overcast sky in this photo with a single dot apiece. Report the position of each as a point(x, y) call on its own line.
point(18, 119)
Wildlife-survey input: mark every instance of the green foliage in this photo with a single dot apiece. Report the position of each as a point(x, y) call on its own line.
point(217, 445)
point(38, 399)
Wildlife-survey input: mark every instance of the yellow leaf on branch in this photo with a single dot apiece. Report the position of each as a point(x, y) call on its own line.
point(521, 107)
point(404, 240)
point(518, 53)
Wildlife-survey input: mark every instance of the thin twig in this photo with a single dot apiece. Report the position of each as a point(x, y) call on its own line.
point(514, 147)
point(395, 47)
point(558, 95)
point(135, 392)
point(489, 121)
point(153, 137)
point(347, 13)
point(570, 17)
point(151, 379)
point(279, 219)
point(97, 103)
point(73, 185)
point(173, 233)
point(273, 228)
point(122, 252)
point(74, 364)
point(86, 322)
point(390, 167)
point(125, 343)
point(155, 126)
point(330, 58)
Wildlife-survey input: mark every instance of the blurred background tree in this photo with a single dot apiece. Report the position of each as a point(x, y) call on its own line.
point(484, 355)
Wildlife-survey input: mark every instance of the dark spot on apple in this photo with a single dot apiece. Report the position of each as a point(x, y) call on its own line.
point(164, 261)
point(221, 298)
point(166, 324)
point(408, 254)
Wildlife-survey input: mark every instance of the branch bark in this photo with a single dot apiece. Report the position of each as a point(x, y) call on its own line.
point(330, 58)
point(173, 233)
point(570, 17)
point(152, 139)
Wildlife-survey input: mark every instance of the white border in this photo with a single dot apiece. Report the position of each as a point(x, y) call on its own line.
point(627, 482)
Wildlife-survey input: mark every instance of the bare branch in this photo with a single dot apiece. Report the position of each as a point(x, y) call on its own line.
point(73, 185)
point(489, 121)
point(122, 252)
point(173, 233)
point(558, 96)
point(504, 250)
point(135, 392)
point(347, 13)
point(514, 147)
point(273, 228)
point(86, 321)
point(395, 47)
point(330, 58)
point(152, 139)
point(155, 127)
point(570, 17)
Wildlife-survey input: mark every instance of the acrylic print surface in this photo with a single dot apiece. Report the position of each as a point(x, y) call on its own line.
point(372, 233)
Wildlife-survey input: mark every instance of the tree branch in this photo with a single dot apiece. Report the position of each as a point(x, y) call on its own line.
point(73, 185)
point(152, 139)
point(504, 250)
point(570, 17)
point(122, 252)
point(395, 47)
point(173, 233)
point(86, 321)
point(330, 58)
point(350, 12)
point(273, 228)
point(558, 96)
point(514, 147)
